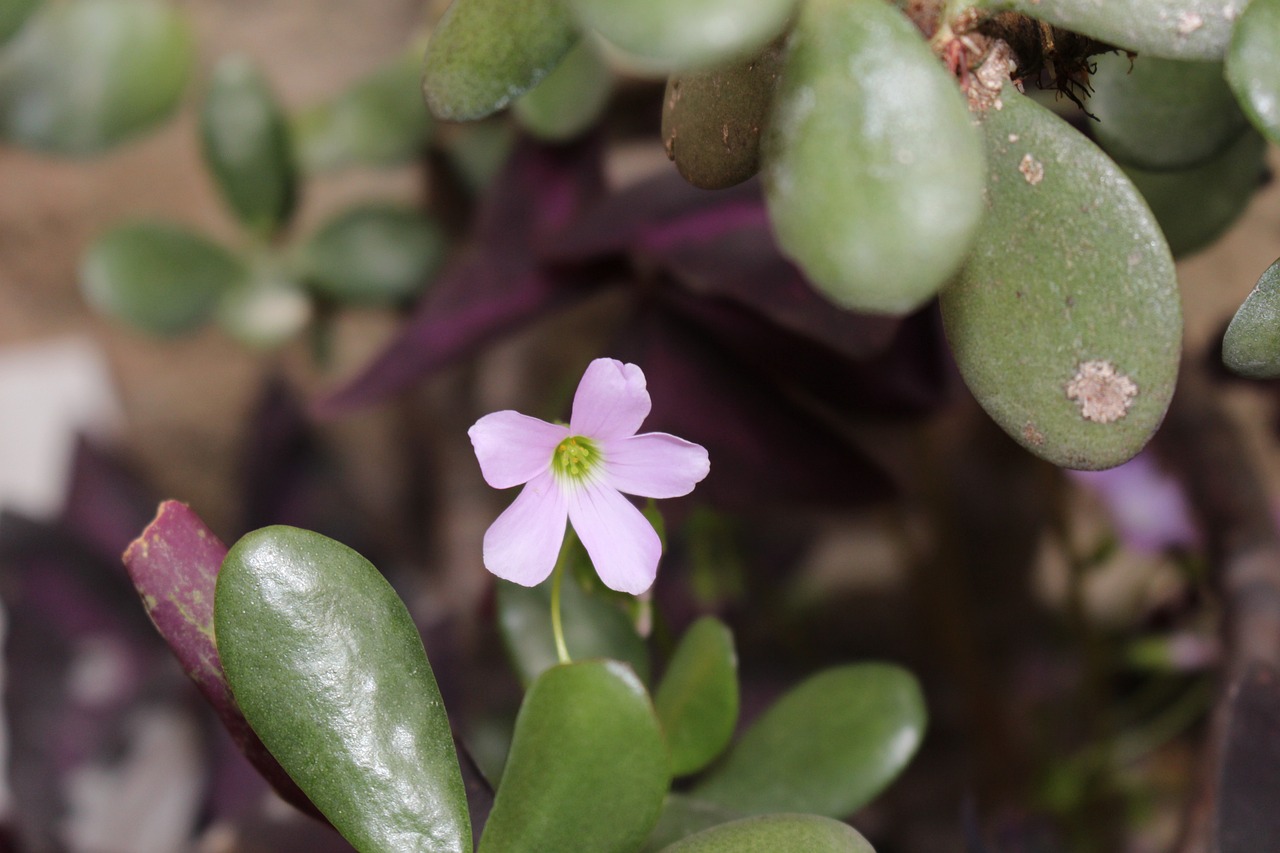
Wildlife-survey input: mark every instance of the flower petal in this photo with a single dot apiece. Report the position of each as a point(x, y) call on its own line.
point(621, 542)
point(514, 448)
point(522, 544)
point(654, 465)
point(611, 402)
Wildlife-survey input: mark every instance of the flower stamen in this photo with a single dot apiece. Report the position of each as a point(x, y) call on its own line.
point(575, 458)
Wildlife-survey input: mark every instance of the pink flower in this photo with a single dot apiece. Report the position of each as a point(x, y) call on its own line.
point(579, 473)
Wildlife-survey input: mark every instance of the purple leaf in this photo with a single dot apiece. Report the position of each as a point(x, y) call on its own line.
point(174, 565)
point(1248, 784)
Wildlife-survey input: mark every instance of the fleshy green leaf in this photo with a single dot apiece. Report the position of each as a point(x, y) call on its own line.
point(712, 120)
point(246, 145)
point(593, 627)
point(1253, 65)
point(776, 833)
point(158, 277)
point(328, 667)
point(682, 816)
point(1163, 114)
point(1065, 321)
point(570, 99)
point(84, 75)
point(827, 747)
point(379, 121)
point(697, 700)
point(1172, 29)
point(672, 35)
point(587, 768)
point(872, 170)
point(484, 53)
point(1251, 346)
point(13, 14)
point(374, 254)
point(1196, 206)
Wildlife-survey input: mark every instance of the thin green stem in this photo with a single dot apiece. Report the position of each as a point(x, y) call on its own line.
point(557, 628)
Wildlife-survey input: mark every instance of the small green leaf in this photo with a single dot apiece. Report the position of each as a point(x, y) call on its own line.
point(593, 627)
point(484, 53)
point(84, 75)
point(374, 254)
point(156, 276)
point(587, 769)
point(570, 99)
point(265, 310)
point(1253, 65)
point(682, 816)
point(246, 145)
point(697, 700)
point(1251, 346)
point(380, 121)
point(325, 662)
point(13, 14)
point(1196, 206)
point(827, 747)
point(675, 35)
point(1172, 29)
point(712, 120)
point(776, 833)
point(1163, 114)
point(872, 169)
point(1065, 320)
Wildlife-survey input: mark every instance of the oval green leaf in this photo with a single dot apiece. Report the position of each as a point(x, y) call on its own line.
point(570, 99)
point(682, 816)
point(697, 700)
point(1172, 29)
point(84, 75)
point(329, 669)
point(587, 768)
point(157, 277)
point(265, 310)
point(712, 121)
point(1253, 65)
point(1196, 206)
point(484, 53)
point(1251, 346)
point(776, 833)
point(673, 35)
point(827, 747)
point(1065, 321)
point(379, 121)
point(13, 14)
point(1163, 114)
point(593, 628)
point(246, 145)
point(872, 169)
point(374, 254)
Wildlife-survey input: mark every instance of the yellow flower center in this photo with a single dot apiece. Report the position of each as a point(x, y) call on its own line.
point(575, 458)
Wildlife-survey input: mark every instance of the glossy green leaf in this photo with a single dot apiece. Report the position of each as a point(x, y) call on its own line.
point(827, 747)
point(776, 833)
point(13, 14)
point(379, 121)
point(712, 121)
point(1065, 321)
point(267, 309)
point(593, 626)
point(374, 254)
point(697, 700)
point(872, 170)
point(682, 816)
point(329, 669)
point(587, 768)
point(484, 53)
point(672, 35)
point(84, 75)
point(570, 99)
point(1251, 346)
point(1253, 65)
point(1196, 206)
point(246, 145)
point(1162, 114)
point(1173, 29)
point(157, 276)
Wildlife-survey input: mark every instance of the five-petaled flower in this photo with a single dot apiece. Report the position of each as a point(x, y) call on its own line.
point(579, 473)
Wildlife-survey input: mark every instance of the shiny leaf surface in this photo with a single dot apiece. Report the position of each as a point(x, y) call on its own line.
point(329, 669)
point(1253, 65)
point(1251, 346)
point(697, 700)
point(776, 833)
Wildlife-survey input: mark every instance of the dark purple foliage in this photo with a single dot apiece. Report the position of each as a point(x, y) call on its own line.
point(1248, 783)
